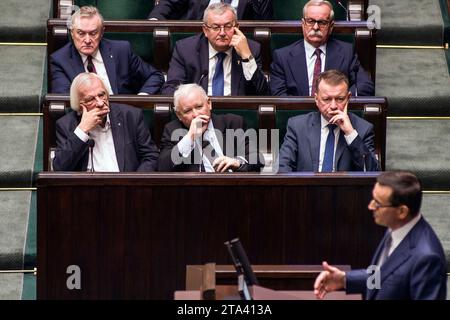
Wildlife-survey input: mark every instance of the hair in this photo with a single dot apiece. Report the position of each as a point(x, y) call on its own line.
point(319, 3)
point(184, 90)
point(332, 77)
point(85, 12)
point(83, 79)
point(219, 8)
point(406, 189)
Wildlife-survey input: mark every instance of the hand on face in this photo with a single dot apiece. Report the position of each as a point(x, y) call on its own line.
point(240, 43)
point(341, 119)
point(93, 117)
point(198, 126)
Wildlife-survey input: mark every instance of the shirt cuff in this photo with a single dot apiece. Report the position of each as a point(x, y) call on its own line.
point(185, 146)
point(249, 69)
point(81, 134)
point(143, 94)
point(352, 136)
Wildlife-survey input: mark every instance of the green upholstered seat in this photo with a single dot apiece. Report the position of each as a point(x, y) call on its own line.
point(120, 9)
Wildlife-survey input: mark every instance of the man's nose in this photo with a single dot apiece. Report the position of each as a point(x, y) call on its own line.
point(99, 102)
point(333, 104)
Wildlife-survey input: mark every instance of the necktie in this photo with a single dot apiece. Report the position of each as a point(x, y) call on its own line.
point(386, 248)
point(227, 1)
point(208, 151)
point(317, 70)
point(327, 165)
point(90, 65)
point(217, 81)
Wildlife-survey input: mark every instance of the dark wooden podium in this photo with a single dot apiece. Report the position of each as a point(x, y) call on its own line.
point(132, 235)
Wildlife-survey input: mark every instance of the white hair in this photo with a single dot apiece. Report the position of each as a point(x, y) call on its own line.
point(319, 3)
point(184, 90)
point(85, 12)
point(83, 79)
point(219, 8)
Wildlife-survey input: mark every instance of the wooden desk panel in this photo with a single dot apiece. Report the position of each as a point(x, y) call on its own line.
point(132, 235)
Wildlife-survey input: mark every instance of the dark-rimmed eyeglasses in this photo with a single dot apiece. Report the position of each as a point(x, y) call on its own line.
point(378, 205)
point(216, 28)
point(321, 23)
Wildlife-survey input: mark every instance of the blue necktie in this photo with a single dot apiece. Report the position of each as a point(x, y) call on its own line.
point(217, 81)
point(327, 165)
point(227, 1)
point(386, 248)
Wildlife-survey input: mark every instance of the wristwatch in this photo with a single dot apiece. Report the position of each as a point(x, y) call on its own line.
point(248, 59)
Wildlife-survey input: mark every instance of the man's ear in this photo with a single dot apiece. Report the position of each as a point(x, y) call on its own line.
point(403, 212)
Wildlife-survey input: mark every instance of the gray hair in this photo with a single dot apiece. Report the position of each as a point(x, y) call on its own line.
point(83, 79)
point(219, 8)
point(319, 3)
point(85, 12)
point(184, 90)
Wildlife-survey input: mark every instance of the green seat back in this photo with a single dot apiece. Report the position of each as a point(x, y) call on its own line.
point(250, 116)
point(141, 42)
point(293, 9)
point(120, 9)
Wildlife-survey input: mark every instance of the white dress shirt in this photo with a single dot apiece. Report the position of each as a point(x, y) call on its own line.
point(104, 152)
point(311, 57)
point(234, 3)
point(248, 68)
point(97, 60)
point(323, 140)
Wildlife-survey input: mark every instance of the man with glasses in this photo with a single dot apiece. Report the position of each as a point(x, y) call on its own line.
point(409, 261)
point(99, 136)
point(221, 59)
point(332, 139)
point(295, 68)
point(122, 71)
point(193, 9)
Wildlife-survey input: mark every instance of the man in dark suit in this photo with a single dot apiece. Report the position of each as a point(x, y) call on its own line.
point(121, 70)
point(294, 68)
point(222, 53)
point(193, 9)
point(97, 136)
point(409, 263)
point(203, 142)
point(350, 138)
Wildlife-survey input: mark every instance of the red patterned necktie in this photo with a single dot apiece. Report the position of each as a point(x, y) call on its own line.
point(317, 70)
point(90, 65)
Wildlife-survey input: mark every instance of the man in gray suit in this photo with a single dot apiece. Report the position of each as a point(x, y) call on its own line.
point(332, 139)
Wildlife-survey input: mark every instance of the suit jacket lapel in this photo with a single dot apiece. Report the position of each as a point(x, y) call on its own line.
point(341, 145)
point(314, 133)
point(110, 66)
point(219, 126)
point(116, 119)
point(203, 61)
point(76, 62)
point(334, 58)
point(299, 70)
point(236, 73)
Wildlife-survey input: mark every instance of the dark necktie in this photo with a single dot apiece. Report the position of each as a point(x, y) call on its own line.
point(317, 70)
point(208, 151)
point(218, 81)
point(227, 1)
point(327, 165)
point(386, 248)
point(90, 65)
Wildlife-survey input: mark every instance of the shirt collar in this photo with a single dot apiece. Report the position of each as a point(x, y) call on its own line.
point(212, 52)
point(399, 234)
point(96, 57)
point(323, 122)
point(310, 50)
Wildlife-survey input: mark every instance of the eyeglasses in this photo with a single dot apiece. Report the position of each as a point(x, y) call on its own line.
point(379, 205)
point(216, 28)
point(92, 99)
point(321, 23)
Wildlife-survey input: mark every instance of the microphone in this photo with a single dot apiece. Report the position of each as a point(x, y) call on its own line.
point(91, 144)
point(204, 75)
point(343, 7)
